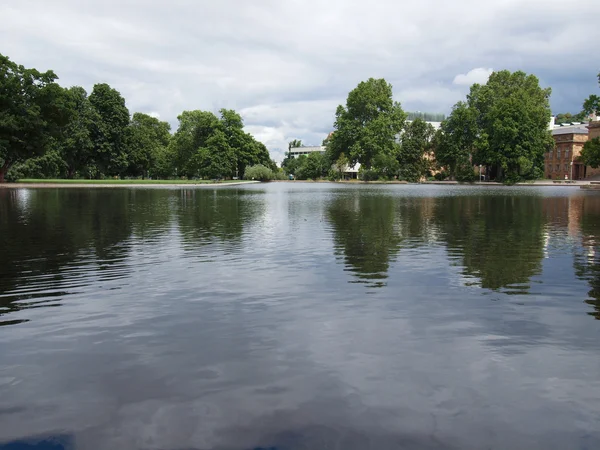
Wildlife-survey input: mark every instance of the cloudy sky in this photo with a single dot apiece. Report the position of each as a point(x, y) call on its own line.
point(285, 65)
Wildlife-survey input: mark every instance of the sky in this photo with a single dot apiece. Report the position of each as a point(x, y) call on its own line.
point(285, 65)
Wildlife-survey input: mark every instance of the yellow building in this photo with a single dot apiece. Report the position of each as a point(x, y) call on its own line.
point(561, 162)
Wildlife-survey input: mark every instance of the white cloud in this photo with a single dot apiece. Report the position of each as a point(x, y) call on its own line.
point(479, 75)
point(287, 65)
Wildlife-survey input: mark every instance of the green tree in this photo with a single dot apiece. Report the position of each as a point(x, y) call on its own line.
point(314, 166)
point(592, 103)
point(76, 145)
point(33, 109)
point(341, 164)
point(590, 155)
point(512, 113)
point(146, 139)
point(195, 128)
point(368, 124)
point(247, 150)
point(415, 142)
point(109, 138)
point(216, 159)
point(455, 141)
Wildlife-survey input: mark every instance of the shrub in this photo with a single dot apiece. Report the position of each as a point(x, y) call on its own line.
point(368, 174)
point(258, 172)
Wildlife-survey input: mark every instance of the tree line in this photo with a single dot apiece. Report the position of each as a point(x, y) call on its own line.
point(48, 131)
point(502, 126)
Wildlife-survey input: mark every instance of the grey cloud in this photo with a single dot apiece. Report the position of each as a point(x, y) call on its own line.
point(287, 65)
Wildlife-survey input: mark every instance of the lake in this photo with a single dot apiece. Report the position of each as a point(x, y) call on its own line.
point(301, 316)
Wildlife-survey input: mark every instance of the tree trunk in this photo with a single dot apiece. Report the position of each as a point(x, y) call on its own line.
point(3, 171)
point(70, 173)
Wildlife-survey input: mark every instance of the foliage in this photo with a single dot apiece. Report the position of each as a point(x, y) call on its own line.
point(258, 172)
point(340, 166)
point(568, 118)
point(512, 114)
point(454, 142)
point(314, 166)
point(592, 103)
point(368, 124)
point(33, 109)
point(415, 142)
point(110, 155)
point(365, 174)
point(590, 155)
point(146, 140)
point(427, 117)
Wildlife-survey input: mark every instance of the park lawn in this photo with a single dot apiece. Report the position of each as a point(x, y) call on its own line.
point(111, 181)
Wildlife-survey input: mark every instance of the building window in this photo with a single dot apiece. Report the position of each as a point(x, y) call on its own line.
point(566, 167)
point(558, 153)
point(558, 168)
point(567, 153)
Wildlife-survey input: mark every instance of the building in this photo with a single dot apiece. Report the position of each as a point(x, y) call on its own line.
point(298, 151)
point(561, 162)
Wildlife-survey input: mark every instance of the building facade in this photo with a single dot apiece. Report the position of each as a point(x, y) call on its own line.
point(561, 162)
point(298, 151)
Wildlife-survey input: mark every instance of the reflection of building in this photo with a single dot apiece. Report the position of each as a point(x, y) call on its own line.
point(569, 142)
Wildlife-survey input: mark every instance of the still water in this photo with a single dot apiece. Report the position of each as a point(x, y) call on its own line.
point(301, 316)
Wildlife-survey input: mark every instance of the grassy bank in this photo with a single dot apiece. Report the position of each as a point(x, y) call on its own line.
point(128, 182)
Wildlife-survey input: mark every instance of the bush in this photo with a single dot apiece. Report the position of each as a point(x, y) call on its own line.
point(440, 176)
point(258, 172)
point(368, 174)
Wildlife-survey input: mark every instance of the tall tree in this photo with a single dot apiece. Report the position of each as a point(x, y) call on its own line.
point(415, 142)
point(195, 128)
point(76, 145)
point(146, 138)
point(512, 113)
point(368, 124)
point(592, 103)
point(33, 109)
point(455, 141)
point(109, 139)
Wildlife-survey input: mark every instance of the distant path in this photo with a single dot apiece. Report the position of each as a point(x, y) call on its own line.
point(118, 185)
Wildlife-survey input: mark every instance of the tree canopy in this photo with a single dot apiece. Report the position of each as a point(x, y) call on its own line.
point(48, 131)
point(503, 125)
point(33, 108)
point(368, 125)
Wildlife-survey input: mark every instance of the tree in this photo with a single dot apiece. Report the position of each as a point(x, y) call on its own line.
point(258, 172)
point(109, 137)
point(568, 117)
point(33, 109)
point(415, 142)
point(195, 128)
point(146, 138)
point(592, 103)
point(455, 141)
point(76, 145)
point(216, 159)
point(315, 166)
point(368, 124)
point(590, 155)
point(341, 164)
point(512, 113)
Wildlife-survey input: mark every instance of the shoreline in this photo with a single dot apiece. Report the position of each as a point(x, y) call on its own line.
point(46, 185)
point(42, 185)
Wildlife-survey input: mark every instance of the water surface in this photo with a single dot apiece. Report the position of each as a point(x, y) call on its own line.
point(301, 316)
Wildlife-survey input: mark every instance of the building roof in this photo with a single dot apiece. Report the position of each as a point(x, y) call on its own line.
point(570, 129)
